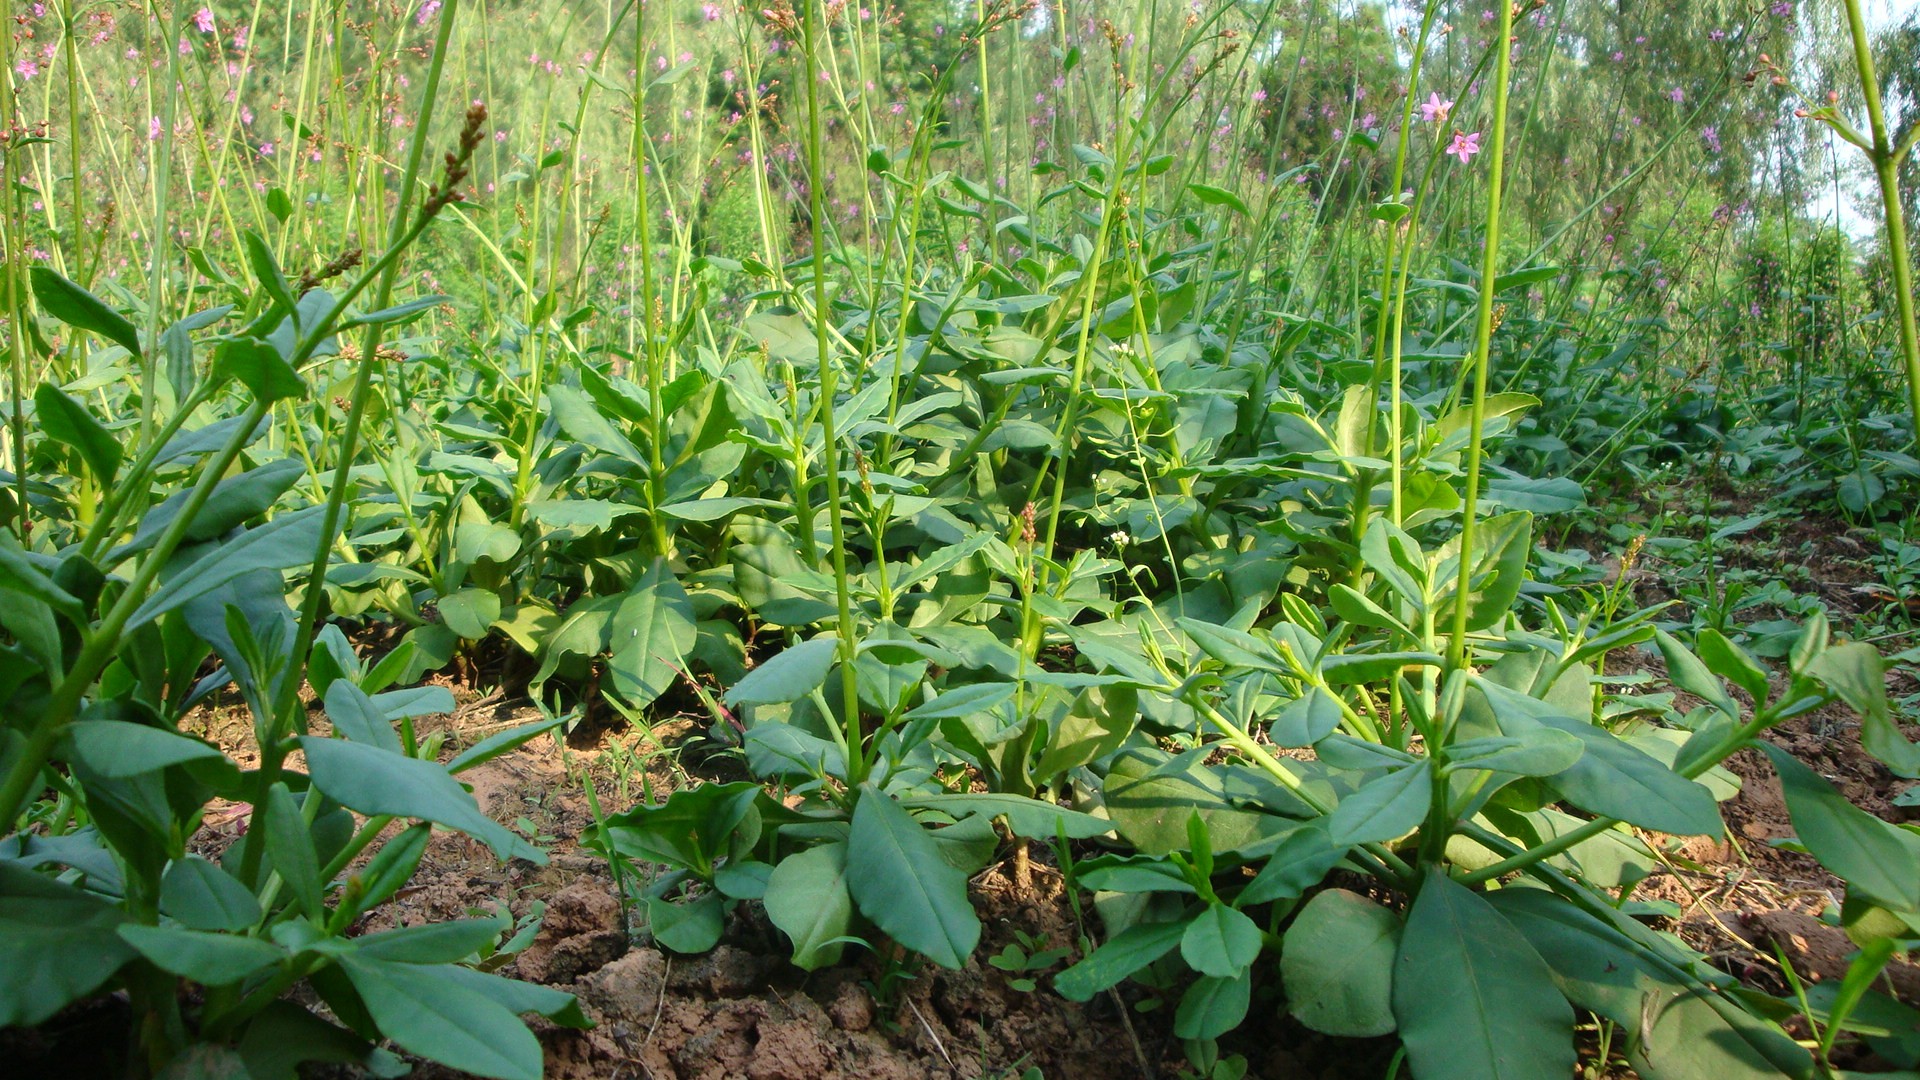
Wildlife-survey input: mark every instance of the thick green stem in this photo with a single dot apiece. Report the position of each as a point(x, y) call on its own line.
point(1886, 165)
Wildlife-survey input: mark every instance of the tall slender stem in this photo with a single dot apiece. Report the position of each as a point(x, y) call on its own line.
point(829, 387)
point(1483, 336)
point(15, 298)
point(162, 158)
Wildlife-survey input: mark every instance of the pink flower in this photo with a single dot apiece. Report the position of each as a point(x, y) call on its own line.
point(203, 20)
point(427, 12)
point(1464, 145)
point(153, 128)
point(1434, 110)
point(1676, 95)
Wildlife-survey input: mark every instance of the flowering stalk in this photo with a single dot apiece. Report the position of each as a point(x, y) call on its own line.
point(1483, 336)
point(857, 762)
point(161, 156)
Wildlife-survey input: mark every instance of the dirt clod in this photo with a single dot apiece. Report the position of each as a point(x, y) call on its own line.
point(583, 931)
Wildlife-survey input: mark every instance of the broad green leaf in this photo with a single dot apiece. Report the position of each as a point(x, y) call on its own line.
point(204, 897)
point(1031, 818)
point(583, 421)
point(775, 748)
point(470, 612)
point(785, 338)
point(398, 313)
point(291, 851)
point(287, 540)
point(1220, 941)
point(501, 742)
point(897, 876)
point(1385, 808)
point(687, 926)
point(1882, 861)
point(1127, 952)
point(1296, 864)
point(374, 781)
point(1235, 648)
point(807, 899)
point(57, 945)
point(117, 749)
point(1731, 662)
point(652, 631)
point(1688, 673)
point(1611, 778)
point(1150, 795)
point(443, 1020)
point(1550, 495)
point(78, 308)
point(389, 870)
point(356, 717)
point(284, 1036)
point(1349, 669)
point(520, 997)
point(259, 367)
point(1337, 962)
point(1614, 779)
point(209, 959)
point(67, 421)
point(692, 829)
point(968, 700)
point(1213, 1006)
point(1131, 874)
point(1219, 196)
point(1502, 544)
point(235, 501)
point(1307, 719)
point(1674, 1032)
point(478, 541)
point(789, 675)
point(19, 575)
point(1856, 673)
point(266, 270)
point(1538, 751)
point(447, 942)
point(1472, 999)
